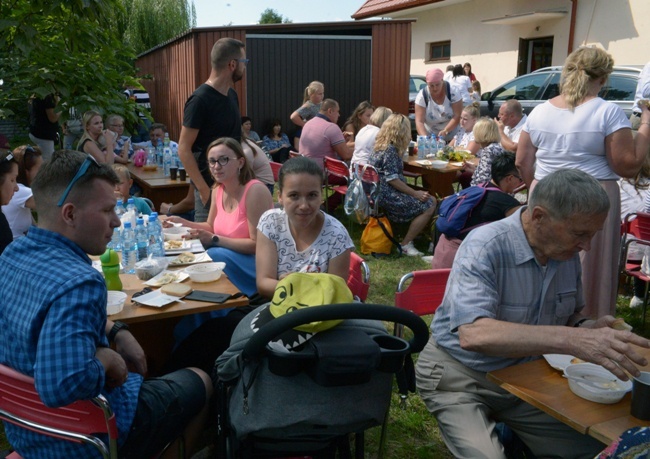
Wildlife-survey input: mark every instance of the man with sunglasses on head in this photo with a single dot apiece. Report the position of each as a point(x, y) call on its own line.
point(54, 328)
point(211, 112)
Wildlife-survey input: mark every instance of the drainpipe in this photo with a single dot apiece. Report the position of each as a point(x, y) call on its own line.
point(572, 25)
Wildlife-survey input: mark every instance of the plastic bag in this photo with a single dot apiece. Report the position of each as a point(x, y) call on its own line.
point(356, 203)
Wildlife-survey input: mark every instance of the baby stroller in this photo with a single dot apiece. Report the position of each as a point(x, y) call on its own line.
point(274, 403)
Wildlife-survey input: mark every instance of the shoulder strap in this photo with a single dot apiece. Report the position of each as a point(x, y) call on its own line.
point(448, 87)
point(389, 236)
point(425, 94)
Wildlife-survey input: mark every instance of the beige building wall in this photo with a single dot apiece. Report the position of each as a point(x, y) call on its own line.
point(622, 27)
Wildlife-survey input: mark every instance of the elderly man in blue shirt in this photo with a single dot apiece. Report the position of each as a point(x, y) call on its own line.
point(515, 293)
point(53, 323)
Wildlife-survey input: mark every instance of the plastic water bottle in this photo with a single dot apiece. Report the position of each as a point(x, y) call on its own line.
point(167, 160)
point(129, 249)
point(116, 239)
point(159, 154)
point(142, 239)
point(176, 162)
point(156, 244)
point(421, 146)
point(130, 206)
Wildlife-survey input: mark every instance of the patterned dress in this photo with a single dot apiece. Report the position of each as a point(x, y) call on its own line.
point(399, 207)
point(483, 172)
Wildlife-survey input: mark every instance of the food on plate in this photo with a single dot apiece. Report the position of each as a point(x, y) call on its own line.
point(185, 257)
point(178, 290)
point(176, 244)
point(577, 360)
point(619, 324)
point(450, 154)
point(165, 278)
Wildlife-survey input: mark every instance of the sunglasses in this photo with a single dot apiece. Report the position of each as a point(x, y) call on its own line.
point(80, 173)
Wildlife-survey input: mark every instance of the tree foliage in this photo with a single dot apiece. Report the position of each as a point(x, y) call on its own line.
point(271, 16)
point(83, 50)
point(145, 24)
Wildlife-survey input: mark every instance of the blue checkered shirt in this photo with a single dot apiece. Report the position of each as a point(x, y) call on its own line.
point(52, 320)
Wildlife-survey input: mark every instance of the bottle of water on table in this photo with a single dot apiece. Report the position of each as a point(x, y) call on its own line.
point(156, 242)
point(142, 239)
point(116, 240)
point(129, 249)
point(421, 146)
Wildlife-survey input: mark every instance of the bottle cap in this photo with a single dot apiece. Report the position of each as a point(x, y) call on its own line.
point(110, 258)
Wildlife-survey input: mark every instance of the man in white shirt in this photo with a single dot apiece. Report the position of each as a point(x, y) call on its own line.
point(511, 121)
point(642, 92)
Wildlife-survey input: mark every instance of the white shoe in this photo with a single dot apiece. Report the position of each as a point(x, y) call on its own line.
point(636, 302)
point(427, 259)
point(410, 250)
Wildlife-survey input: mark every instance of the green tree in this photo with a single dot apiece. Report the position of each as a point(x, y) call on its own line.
point(270, 16)
point(83, 50)
point(145, 24)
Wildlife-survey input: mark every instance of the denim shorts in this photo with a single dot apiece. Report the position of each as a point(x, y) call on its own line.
point(165, 406)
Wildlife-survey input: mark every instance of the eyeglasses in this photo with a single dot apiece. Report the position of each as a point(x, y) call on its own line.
point(517, 177)
point(222, 161)
point(243, 61)
point(82, 170)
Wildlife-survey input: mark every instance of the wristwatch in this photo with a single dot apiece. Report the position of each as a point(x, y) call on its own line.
point(117, 326)
point(215, 240)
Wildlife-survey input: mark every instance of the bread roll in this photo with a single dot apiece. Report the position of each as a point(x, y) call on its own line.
point(179, 290)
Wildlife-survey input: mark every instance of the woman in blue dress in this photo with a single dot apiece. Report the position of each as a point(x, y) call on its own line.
point(400, 202)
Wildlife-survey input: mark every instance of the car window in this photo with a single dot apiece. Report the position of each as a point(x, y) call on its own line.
point(553, 88)
point(619, 87)
point(523, 88)
point(415, 84)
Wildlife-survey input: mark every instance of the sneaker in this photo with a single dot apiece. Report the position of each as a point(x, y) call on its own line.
point(636, 302)
point(410, 250)
point(427, 259)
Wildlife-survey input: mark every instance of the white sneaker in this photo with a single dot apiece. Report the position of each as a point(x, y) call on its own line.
point(410, 250)
point(427, 259)
point(636, 302)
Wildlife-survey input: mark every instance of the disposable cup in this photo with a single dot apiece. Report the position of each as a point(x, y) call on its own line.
point(173, 171)
point(641, 396)
point(181, 174)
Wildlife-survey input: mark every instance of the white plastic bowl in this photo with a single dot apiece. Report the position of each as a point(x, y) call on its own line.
point(439, 163)
point(205, 272)
point(175, 233)
point(609, 393)
point(115, 302)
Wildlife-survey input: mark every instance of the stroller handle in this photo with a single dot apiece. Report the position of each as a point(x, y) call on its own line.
point(256, 345)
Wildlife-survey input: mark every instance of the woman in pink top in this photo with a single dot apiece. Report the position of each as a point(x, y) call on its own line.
point(229, 235)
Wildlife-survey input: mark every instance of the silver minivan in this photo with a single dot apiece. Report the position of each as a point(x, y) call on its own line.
point(536, 87)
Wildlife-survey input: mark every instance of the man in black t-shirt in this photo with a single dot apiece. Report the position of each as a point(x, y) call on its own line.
point(495, 205)
point(212, 111)
point(44, 123)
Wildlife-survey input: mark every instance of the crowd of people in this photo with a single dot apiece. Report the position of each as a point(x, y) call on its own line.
point(575, 153)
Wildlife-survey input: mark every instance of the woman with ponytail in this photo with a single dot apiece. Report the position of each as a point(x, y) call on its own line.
point(579, 130)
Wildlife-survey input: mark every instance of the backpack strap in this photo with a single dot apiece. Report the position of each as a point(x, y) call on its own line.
point(448, 87)
point(425, 94)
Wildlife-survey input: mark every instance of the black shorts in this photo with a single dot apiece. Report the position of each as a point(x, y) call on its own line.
point(165, 406)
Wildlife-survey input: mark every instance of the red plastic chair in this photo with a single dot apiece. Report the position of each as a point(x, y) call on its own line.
point(423, 294)
point(275, 167)
point(78, 422)
point(336, 168)
point(359, 278)
point(638, 227)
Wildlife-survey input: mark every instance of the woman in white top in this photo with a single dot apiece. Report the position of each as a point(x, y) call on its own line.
point(299, 237)
point(19, 210)
point(437, 107)
point(464, 139)
point(579, 130)
point(364, 143)
point(462, 83)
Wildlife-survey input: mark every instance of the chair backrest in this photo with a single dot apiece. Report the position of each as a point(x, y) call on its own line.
point(640, 226)
point(424, 293)
point(275, 167)
point(79, 422)
point(359, 277)
point(336, 167)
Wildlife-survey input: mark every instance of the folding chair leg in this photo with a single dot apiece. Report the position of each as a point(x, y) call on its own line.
point(384, 435)
point(359, 440)
point(645, 305)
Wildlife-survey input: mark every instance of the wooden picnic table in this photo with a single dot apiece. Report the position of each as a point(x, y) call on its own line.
point(157, 187)
point(544, 387)
point(437, 181)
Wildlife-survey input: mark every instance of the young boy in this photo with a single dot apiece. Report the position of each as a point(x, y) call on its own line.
point(122, 189)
